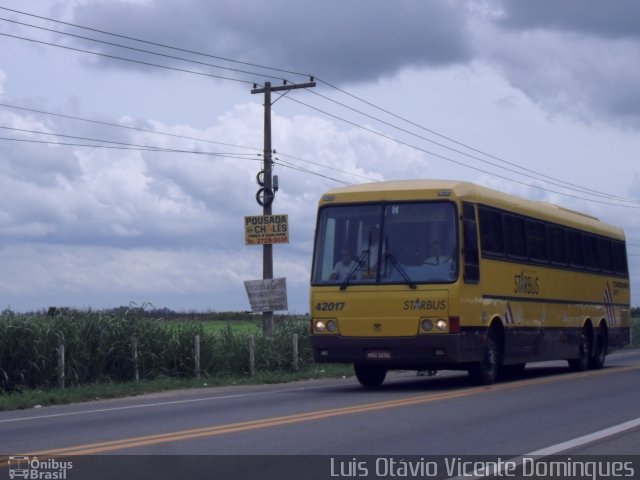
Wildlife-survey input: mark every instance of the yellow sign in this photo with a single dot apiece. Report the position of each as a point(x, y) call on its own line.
point(266, 229)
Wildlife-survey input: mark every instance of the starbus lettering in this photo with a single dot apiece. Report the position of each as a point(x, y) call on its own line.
point(419, 304)
point(526, 284)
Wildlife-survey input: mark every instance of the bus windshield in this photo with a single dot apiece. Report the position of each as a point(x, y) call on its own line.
point(386, 243)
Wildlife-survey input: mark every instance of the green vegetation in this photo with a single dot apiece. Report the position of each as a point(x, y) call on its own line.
point(105, 351)
point(29, 398)
point(69, 355)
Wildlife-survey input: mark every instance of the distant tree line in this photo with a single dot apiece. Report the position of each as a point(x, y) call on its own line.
point(151, 312)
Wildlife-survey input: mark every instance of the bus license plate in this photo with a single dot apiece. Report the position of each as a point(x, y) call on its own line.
point(378, 354)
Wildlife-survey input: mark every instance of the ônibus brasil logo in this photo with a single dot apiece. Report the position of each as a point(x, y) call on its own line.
point(32, 468)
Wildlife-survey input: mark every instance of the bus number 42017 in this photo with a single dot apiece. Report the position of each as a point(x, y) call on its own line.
point(330, 306)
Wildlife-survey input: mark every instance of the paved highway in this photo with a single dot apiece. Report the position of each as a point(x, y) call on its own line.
point(548, 410)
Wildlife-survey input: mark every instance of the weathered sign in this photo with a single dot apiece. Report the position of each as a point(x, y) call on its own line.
point(267, 295)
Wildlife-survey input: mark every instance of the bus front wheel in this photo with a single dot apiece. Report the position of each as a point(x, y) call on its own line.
point(485, 371)
point(370, 376)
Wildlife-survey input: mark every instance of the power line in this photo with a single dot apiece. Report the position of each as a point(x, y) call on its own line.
point(147, 147)
point(117, 125)
point(173, 57)
point(128, 59)
point(138, 129)
point(457, 162)
point(113, 145)
point(306, 170)
point(539, 176)
point(124, 146)
point(353, 174)
point(156, 43)
point(553, 180)
point(140, 148)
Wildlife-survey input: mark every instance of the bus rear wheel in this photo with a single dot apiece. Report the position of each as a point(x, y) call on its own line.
point(485, 371)
point(370, 376)
point(581, 363)
point(597, 361)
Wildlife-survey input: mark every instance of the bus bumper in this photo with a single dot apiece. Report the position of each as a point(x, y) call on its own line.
point(440, 351)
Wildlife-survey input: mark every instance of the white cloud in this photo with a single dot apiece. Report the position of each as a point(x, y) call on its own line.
point(101, 227)
point(167, 227)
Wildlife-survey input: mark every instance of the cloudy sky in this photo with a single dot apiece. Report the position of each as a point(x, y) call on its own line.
point(540, 99)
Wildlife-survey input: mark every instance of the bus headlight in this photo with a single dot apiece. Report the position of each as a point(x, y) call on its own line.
point(442, 325)
point(328, 326)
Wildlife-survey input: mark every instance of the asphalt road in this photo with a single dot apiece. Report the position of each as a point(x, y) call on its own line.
point(549, 410)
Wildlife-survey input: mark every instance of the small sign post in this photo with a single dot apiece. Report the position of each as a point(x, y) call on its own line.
point(267, 295)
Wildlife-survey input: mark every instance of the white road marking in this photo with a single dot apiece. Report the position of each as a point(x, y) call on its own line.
point(157, 404)
point(592, 437)
point(560, 447)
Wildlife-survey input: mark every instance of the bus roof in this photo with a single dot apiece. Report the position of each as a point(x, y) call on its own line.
point(405, 190)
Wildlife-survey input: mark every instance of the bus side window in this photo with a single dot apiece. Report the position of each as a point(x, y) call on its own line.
point(492, 232)
point(471, 258)
point(619, 255)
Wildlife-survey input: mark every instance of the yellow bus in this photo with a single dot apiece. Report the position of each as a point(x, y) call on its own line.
point(428, 275)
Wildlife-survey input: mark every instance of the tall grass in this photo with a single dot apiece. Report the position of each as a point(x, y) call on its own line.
point(98, 347)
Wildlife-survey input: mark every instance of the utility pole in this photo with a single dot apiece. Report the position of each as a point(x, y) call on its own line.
point(266, 194)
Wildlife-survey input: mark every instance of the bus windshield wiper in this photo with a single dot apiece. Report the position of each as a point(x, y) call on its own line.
point(354, 269)
point(403, 272)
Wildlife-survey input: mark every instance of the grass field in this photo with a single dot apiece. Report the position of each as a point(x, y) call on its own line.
point(68, 355)
point(101, 340)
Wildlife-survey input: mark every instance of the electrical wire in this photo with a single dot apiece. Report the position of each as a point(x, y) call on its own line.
point(457, 162)
point(112, 142)
point(306, 170)
point(140, 148)
point(156, 132)
point(147, 42)
point(115, 57)
point(549, 179)
point(117, 125)
point(140, 50)
point(113, 145)
point(364, 177)
point(539, 176)
point(143, 148)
